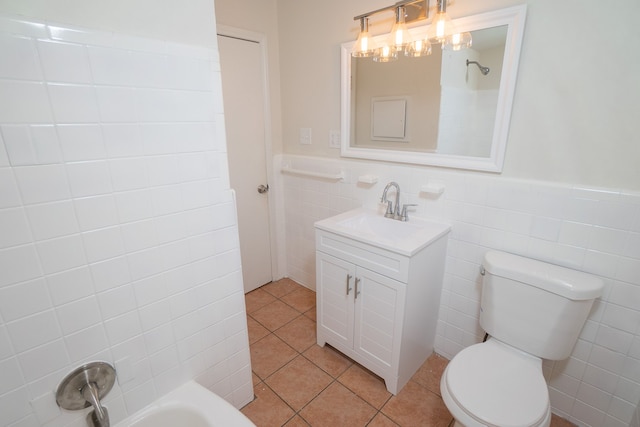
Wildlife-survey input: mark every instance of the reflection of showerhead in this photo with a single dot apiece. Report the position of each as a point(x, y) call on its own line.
point(483, 70)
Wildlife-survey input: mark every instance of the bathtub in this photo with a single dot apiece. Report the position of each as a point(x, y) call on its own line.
point(190, 405)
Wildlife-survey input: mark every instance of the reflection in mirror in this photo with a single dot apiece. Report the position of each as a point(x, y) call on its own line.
point(455, 104)
point(469, 96)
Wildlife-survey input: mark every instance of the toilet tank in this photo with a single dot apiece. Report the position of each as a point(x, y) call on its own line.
point(537, 307)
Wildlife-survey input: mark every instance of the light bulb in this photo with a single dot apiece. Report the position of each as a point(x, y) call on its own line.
point(364, 44)
point(417, 48)
point(399, 33)
point(386, 53)
point(458, 41)
point(441, 26)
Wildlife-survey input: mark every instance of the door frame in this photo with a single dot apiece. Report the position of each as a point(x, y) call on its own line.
point(261, 40)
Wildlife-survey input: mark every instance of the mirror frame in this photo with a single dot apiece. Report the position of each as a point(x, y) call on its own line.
point(514, 18)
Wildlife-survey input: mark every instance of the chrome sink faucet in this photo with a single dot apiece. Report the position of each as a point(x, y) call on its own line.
point(391, 212)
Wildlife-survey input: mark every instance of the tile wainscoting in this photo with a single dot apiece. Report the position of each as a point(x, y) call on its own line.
point(118, 234)
point(594, 230)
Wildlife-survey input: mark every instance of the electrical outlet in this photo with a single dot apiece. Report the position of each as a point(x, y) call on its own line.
point(305, 136)
point(334, 139)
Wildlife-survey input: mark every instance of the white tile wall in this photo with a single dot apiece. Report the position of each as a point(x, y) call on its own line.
point(593, 230)
point(118, 235)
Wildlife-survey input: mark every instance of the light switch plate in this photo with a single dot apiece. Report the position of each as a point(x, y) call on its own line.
point(305, 136)
point(334, 139)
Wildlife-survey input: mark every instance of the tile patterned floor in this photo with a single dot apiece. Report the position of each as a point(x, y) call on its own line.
point(298, 383)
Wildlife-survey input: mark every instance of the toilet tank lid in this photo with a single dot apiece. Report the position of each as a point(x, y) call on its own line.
point(571, 284)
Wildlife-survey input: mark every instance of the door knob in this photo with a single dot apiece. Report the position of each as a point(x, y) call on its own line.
point(263, 188)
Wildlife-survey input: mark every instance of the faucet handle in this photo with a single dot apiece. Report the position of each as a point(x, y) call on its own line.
point(404, 216)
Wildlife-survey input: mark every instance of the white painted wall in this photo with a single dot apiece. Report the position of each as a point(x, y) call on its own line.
point(259, 16)
point(118, 233)
point(576, 88)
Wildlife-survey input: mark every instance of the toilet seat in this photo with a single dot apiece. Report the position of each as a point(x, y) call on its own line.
point(497, 385)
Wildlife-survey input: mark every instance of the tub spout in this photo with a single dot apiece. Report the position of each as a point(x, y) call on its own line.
point(99, 417)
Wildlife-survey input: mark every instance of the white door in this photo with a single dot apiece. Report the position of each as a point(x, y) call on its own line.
point(334, 296)
point(244, 109)
point(379, 310)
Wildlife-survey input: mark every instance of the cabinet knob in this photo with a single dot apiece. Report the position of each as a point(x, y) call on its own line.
point(349, 280)
point(357, 291)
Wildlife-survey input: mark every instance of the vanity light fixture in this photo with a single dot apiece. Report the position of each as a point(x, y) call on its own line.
point(441, 31)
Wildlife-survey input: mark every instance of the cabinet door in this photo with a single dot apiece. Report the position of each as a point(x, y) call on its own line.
point(379, 313)
point(334, 296)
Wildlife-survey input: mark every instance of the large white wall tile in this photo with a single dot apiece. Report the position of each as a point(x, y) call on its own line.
point(14, 228)
point(110, 66)
point(42, 183)
point(17, 142)
point(78, 315)
point(49, 220)
point(20, 59)
point(128, 174)
point(89, 178)
point(117, 301)
point(33, 331)
point(81, 142)
point(24, 102)
point(61, 254)
point(10, 376)
point(73, 103)
point(86, 343)
point(123, 140)
point(64, 62)
point(110, 273)
point(103, 244)
point(24, 299)
point(18, 264)
point(96, 212)
point(45, 144)
point(9, 193)
point(116, 104)
point(70, 285)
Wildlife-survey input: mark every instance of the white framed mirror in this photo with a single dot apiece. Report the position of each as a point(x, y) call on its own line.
point(457, 103)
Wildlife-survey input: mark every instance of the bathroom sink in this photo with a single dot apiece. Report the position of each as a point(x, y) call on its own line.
point(371, 227)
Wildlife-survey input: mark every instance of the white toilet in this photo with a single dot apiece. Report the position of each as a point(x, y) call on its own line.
point(531, 310)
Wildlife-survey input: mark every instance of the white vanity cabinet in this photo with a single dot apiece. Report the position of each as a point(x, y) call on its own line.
point(377, 306)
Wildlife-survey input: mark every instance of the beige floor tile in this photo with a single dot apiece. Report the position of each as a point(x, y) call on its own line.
point(311, 314)
point(298, 382)
point(257, 299)
point(556, 421)
point(417, 406)
point(297, 421)
point(270, 354)
point(328, 359)
point(281, 287)
point(381, 420)
point(302, 299)
point(256, 330)
point(267, 409)
point(300, 333)
point(337, 406)
point(275, 315)
point(430, 373)
point(368, 386)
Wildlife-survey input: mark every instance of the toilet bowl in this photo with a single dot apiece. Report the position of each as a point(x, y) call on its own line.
point(531, 310)
point(493, 384)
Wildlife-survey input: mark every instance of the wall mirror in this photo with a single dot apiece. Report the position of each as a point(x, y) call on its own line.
point(450, 109)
